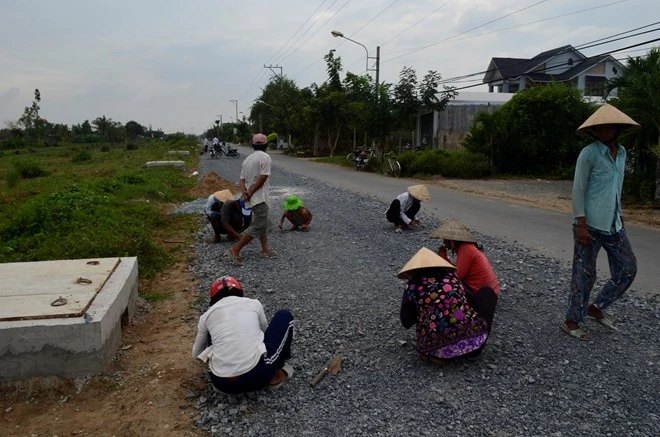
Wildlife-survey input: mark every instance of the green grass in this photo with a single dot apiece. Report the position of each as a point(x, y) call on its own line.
point(77, 201)
point(157, 296)
point(337, 160)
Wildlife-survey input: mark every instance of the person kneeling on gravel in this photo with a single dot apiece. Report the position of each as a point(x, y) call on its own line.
point(244, 353)
point(472, 266)
point(434, 299)
point(403, 210)
point(294, 211)
point(212, 210)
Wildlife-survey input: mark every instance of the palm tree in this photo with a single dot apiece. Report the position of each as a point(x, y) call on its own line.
point(638, 94)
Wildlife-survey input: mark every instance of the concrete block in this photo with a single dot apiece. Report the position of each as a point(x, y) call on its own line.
point(70, 346)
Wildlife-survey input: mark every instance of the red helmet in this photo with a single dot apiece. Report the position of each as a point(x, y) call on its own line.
point(225, 283)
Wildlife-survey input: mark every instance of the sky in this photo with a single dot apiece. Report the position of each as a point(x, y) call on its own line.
point(179, 65)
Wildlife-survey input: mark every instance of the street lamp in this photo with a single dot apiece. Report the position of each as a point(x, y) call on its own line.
point(338, 34)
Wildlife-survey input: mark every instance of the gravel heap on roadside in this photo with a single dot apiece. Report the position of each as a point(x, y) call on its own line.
point(339, 280)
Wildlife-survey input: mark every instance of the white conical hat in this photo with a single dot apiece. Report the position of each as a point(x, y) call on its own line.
point(420, 192)
point(453, 230)
point(223, 195)
point(607, 114)
point(424, 258)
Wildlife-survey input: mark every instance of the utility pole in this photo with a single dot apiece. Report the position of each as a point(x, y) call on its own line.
point(281, 75)
point(377, 71)
point(235, 102)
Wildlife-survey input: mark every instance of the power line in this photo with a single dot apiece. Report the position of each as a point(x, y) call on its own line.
point(466, 31)
point(601, 54)
point(289, 51)
point(261, 72)
point(298, 30)
point(415, 24)
point(582, 46)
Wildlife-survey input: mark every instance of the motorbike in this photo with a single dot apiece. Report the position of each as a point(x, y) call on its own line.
point(213, 153)
point(362, 159)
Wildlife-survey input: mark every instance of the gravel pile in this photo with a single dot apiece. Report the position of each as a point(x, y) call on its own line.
point(339, 280)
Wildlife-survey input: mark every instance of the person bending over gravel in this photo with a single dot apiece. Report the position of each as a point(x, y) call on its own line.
point(244, 353)
point(472, 266)
point(403, 210)
point(294, 211)
point(434, 299)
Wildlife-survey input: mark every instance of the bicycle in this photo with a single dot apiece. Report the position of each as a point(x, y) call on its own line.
point(391, 167)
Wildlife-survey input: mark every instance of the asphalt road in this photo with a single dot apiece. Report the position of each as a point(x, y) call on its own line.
point(539, 230)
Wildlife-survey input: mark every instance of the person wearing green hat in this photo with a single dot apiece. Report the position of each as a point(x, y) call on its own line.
point(294, 211)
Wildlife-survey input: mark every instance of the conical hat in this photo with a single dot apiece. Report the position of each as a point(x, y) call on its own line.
point(420, 192)
point(223, 195)
point(607, 114)
point(453, 230)
point(424, 258)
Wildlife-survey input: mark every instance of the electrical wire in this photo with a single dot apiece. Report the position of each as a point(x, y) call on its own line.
point(409, 52)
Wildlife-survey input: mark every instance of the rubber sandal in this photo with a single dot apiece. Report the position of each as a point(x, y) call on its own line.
point(575, 333)
point(271, 254)
point(237, 259)
point(398, 230)
point(607, 323)
point(288, 370)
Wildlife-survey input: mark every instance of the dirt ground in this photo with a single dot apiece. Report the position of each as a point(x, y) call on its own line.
point(151, 387)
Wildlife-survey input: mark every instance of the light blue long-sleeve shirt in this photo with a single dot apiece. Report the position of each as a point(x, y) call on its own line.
point(597, 187)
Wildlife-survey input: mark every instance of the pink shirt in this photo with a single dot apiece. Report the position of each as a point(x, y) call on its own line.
point(473, 268)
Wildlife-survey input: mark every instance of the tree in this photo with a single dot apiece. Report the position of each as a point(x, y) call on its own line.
point(30, 118)
point(134, 129)
point(638, 95)
point(533, 133)
point(108, 129)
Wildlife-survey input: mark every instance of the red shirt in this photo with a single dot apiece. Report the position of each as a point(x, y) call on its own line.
point(473, 268)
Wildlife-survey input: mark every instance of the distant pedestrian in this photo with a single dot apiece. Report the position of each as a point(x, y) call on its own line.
point(254, 182)
point(403, 210)
point(294, 211)
point(597, 187)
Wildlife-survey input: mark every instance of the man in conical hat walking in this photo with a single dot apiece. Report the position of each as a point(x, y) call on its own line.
point(597, 186)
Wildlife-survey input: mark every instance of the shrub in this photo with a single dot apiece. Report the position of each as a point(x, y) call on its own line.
point(81, 156)
point(105, 148)
point(131, 146)
point(29, 168)
point(13, 176)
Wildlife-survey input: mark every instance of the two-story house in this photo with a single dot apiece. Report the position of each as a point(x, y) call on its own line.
point(563, 64)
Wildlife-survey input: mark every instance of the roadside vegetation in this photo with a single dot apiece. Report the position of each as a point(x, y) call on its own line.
point(93, 200)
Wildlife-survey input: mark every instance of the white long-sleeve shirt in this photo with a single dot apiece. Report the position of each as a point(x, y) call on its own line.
point(406, 201)
point(236, 325)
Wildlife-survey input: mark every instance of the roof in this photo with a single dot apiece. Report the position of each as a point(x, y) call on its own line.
point(511, 68)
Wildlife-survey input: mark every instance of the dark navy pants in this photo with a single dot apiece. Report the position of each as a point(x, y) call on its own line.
point(277, 338)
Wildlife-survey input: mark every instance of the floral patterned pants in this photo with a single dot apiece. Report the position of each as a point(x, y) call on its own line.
point(623, 268)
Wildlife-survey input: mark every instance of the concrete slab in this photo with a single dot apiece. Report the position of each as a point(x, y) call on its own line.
point(41, 290)
point(78, 341)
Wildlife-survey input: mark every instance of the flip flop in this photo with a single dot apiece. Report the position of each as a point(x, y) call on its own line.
point(607, 323)
point(288, 370)
point(271, 254)
point(237, 259)
point(575, 333)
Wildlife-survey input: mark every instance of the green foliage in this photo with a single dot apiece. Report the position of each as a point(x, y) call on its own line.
point(13, 177)
point(463, 164)
point(131, 146)
point(29, 168)
point(15, 142)
point(81, 156)
point(272, 137)
point(533, 133)
point(107, 207)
